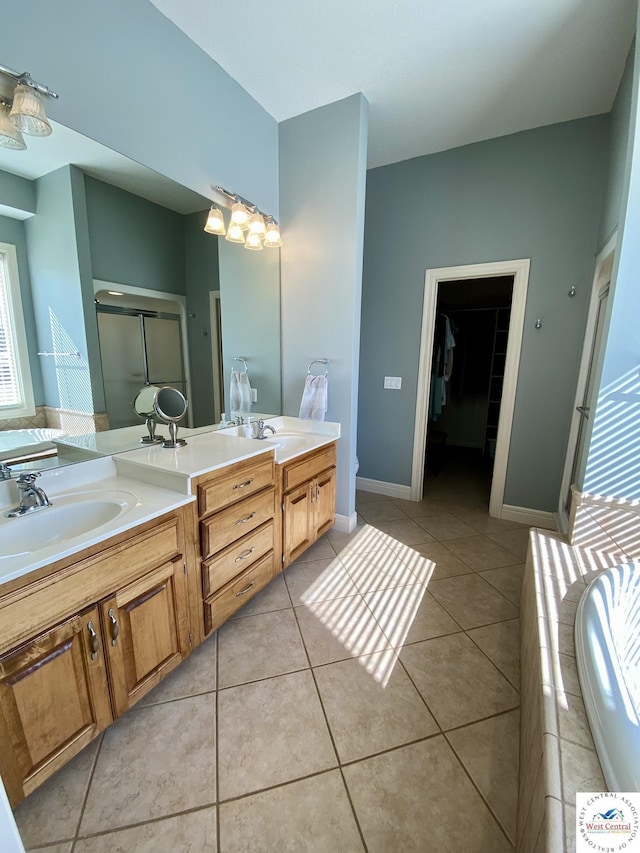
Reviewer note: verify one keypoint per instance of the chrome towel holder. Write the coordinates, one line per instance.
(317, 361)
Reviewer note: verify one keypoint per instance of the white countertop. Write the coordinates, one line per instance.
(157, 480)
(148, 502)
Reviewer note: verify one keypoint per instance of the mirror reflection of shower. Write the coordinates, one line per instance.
(138, 346)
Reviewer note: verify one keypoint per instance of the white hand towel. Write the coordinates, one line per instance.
(240, 397)
(314, 398)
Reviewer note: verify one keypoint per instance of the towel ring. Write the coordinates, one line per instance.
(317, 361)
(244, 361)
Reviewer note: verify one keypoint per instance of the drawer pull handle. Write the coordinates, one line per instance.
(245, 519)
(244, 555)
(245, 484)
(93, 639)
(245, 590)
(115, 629)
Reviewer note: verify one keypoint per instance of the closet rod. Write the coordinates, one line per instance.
(459, 310)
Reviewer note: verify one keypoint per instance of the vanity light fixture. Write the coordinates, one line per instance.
(245, 217)
(215, 222)
(25, 97)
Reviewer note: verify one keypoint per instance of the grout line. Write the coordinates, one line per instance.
(102, 832)
(85, 797)
(333, 743)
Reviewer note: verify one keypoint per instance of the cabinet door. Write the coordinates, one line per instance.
(297, 522)
(143, 633)
(325, 502)
(53, 701)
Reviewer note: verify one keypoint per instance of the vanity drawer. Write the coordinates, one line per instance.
(242, 479)
(219, 607)
(236, 558)
(309, 466)
(225, 527)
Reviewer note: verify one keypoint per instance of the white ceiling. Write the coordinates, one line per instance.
(437, 73)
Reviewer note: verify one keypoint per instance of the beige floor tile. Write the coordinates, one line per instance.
(441, 562)
(55, 848)
(409, 614)
(371, 706)
(457, 681)
(507, 580)
(406, 532)
(501, 644)
(274, 596)
(52, 812)
(320, 580)
(446, 526)
(195, 675)
(194, 832)
(481, 553)
(378, 511)
(490, 752)
(378, 570)
(472, 601)
(368, 497)
(310, 816)
(339, 629)
(418, 798)
(259, 647)
(363, 539)
(484, 523)
(320, 550)
(514, 541)
(154, 762)
(271, 732)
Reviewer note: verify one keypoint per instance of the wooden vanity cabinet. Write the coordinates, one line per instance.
(82, 641)
(238, 536)
(308, 500)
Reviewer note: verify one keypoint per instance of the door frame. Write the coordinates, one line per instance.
(602, 273)
(519, 269)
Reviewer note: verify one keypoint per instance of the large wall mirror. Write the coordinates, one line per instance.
(121, 287)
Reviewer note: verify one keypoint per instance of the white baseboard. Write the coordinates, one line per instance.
(378, 487)
(346, 523)
(531, 517)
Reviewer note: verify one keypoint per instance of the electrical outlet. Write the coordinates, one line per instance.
(254, 395)
(394, 383)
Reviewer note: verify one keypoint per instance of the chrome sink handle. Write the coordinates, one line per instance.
(32, 498)
(5, 471)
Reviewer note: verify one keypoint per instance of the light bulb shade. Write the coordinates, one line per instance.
(27, 113)
(235, 233)
(215, 221)
(256, 224)
(240, 215)
(254, 242)
(10, 136)
(272, 239)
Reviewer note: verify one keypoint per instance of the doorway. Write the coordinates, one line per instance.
(493, 421)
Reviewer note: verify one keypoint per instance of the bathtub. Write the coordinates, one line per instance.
(607, 635)
(22, 442)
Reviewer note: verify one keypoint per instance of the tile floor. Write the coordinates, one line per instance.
(367, 699)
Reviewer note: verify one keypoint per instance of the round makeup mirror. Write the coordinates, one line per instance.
(170, 406)
(144, 407)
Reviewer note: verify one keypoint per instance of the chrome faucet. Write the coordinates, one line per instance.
(260, 428)
(31, 497)
(5, 471)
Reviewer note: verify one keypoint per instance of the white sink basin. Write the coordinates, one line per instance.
(292, 442)
(69, 516)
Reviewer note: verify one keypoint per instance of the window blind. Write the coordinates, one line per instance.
(10, 385)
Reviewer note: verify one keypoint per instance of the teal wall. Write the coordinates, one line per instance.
(619, 137)
(134, 241)
(18, 194)
(536, 194)
(613, 463)
(201, 276)
(58, 284)
(323, 157)
(250, 305)
(13, 231)
(130, 79)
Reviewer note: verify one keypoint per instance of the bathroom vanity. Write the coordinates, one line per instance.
(91, 624)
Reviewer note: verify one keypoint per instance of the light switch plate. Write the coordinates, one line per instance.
(393, 382)
(254, 395)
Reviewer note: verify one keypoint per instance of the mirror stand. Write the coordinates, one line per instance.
(152, 438)
(173, 440)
